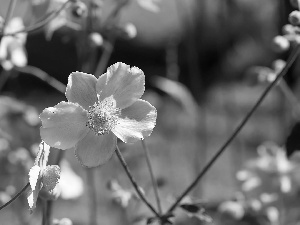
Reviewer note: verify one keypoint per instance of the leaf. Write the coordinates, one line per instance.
(33, 195)
(192, 208)
(34, 173)
(292, 143)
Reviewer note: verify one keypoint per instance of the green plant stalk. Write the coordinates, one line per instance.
(92, 194)
(39, 24)
(150, 168)
(134, 183)
(15, 197)
(290, 61)
(10, 11)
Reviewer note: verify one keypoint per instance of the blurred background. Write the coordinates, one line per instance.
(198, 57)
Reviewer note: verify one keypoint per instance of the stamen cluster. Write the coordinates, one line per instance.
(103, 117)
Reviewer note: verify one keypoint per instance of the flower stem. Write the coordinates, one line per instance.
(15, 197)
(10, 10)
(92, 192)
(134, 183)
(108, 49)
(39, 24)
(154, 184)
(290, 61)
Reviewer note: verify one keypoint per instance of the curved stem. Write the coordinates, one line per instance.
(10, 10)
(154, 184)
(135, 185)
(34, 71)
(39, 24)
(15, 197)
(92, 195)
(102, 64)
(290, 61)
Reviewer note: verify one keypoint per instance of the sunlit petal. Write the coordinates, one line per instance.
(94, 150)
(125, 84)
(136, 122)
(63, 125)
(81, 89)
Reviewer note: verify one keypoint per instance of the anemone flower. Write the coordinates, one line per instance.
(97, 112)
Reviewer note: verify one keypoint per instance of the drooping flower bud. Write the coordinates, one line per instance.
(79, 10)
(294, 18)
(280, 43)
(96, 39)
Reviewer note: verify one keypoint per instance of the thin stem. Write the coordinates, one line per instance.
(108, 49)
(150, 168)
(92, 192)
(15, 197)
(135, 185)
(39, 24)
(290, 61)
(59, 86)
(10, 10)
(44, 213)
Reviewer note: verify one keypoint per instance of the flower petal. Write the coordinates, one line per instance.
(94, 150)
(136, 122)
(63, 125)
(81, 89)
(124, 83)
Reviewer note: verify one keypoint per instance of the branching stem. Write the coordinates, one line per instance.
(134, 183)
(290, 61)
(150, 168)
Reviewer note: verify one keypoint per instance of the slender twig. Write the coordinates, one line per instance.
(39, 24)
(92, 192)
(135, 185)
(154, 183)
(59, 86)
(44, 213)
(15, 197)
(290, 61)
(10, 11)
(108, 49)
(110, 43)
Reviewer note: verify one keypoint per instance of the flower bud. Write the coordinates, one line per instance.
(278, 65)
(96, 39)
(234, 210)
(294, 18)
(63, 221)
(290, 29)
(280, 43)
(130, 30)
(79, 10)
(51, 177)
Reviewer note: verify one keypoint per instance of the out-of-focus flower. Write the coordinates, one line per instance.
(120, 195)
(12, 50)
(99, 111)
(232, 209)
(71, 185)
(294, 18)
(150, 5)
(42, 176)
(281, 43)
(96, 40)
(63, 221)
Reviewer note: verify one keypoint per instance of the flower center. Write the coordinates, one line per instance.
(103, 116)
